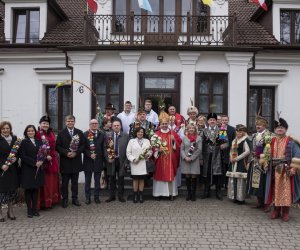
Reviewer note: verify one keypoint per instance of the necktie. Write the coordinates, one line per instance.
(71, 133)
(117, 145)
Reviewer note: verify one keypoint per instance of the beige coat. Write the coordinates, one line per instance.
(134, 150)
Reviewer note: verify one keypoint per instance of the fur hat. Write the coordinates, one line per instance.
(110, 106)
(45, 118)
(192, 109)
(281, 123)
(261, 120)
(212, 115)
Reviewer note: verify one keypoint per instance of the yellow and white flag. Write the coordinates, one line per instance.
(207, 2)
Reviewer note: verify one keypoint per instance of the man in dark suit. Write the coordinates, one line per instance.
(70, 158)
(115, 145)
(93, 160)
(226, 152)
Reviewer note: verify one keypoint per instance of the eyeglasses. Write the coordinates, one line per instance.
(94, 123)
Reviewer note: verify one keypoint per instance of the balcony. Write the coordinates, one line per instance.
(154, 30)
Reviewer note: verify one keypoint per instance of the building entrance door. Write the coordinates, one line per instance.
(155, 86)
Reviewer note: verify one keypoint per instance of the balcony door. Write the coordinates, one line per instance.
(155, 86)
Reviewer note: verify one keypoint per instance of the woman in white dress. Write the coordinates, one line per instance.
(138, 151)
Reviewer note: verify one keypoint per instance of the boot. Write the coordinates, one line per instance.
(259, 203)
(135, 197)
(189, 190)
(194, 187)
(141, 197)
(285, 213)
(219, 195)
(275, 213)
(206, 193)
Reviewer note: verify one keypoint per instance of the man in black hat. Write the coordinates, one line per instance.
(212, 161)
(110, 114)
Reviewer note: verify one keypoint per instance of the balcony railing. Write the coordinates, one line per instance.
(153, 30)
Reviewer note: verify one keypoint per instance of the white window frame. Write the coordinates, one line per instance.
(24, 4)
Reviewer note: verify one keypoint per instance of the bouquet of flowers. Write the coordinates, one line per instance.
(157, 142)
(74, 143)
(149, 132)
(192, 149)
(45, 142)
(267, 150)
(42, 155)
(90, 138)
(110, 147)
(13, 152)
(222, 136)
(145, 153)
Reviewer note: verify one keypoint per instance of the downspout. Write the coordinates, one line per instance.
(72, 78)
(248, 83)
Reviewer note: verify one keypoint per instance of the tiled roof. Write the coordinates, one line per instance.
(249, 32)
(71, 30)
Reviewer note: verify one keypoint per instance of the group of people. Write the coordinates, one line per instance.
(165, 147)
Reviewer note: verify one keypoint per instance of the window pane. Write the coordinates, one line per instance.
(102, 102)
(101, 87)
(297, 27)
(114, 86)
(21, 27)
(67, 104)
(120, 7)
(203, 105)
(169, 13)
(267, 102)
(34, 26)
(159, 83)
(52, 106)
(285, 27)
(203, 88)
(253, 99)
(217, 86)
(217, 105)
(137, 12)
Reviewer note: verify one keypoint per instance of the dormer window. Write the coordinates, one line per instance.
(290, 27)
(26, 25)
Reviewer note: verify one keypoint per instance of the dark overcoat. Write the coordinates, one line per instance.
(70, 165)
(89, 164)
(123, 141)
(9, 180)
(31, 178)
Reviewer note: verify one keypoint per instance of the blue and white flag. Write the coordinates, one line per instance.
(144, 4)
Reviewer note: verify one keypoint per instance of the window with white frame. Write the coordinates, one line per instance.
(290, 27)
(26, 26)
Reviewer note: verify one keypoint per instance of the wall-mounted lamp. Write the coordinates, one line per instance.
(160, 58)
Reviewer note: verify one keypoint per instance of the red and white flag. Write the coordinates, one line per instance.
(261, 3)
(93, 6)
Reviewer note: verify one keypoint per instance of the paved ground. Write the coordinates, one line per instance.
(204, 224)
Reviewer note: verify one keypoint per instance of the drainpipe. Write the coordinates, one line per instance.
(248, 84)
(72, 77)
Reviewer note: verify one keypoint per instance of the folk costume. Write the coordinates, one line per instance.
(166, 163)
(148, 126)
(49, 194)
(212, 159)
(256, 178)
(237, 171)
(284, 187)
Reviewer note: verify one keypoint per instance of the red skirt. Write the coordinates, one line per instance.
(50, 193)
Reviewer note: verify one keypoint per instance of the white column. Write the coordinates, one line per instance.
(187, 88)
(131, 83)
(81, 63)
(237, 86)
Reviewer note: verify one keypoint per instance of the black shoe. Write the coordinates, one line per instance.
(64, 203)
(121, 199)
(36, 213)
(157, 198)
(11, 217)
(110, 199)
(97, 200)
(171, 197)
(76, 203)
(135, 197)
(219, 196)
(29, 215)
(141, 198)
(88, 201)
(2, 220)
(205, 196)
